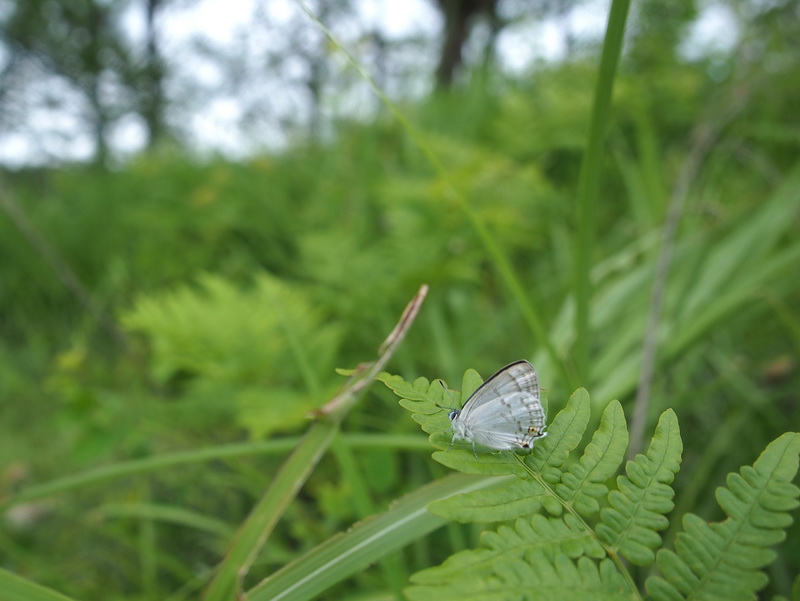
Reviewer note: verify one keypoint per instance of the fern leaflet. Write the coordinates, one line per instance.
(638, 507)
(723, 560)
(538, 577)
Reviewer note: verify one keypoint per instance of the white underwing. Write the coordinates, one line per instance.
(504, 413)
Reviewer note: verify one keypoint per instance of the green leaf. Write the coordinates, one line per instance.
(16, 588)
(209, 329)
(167, 460)
(489, 464)
(208, 332)
(724, 560)
(527, 538)
(509, 498)
(270, 507)
(563, 436)
(584, 482)
(349, 553)
(536, 577)
(638, 506)
(424, 399)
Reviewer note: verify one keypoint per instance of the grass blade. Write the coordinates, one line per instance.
(346, 554)
(259, 525)
(16, 588)
(590, 180)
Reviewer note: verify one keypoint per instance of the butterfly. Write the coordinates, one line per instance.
(504, 412)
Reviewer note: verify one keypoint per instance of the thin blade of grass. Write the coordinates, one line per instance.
(147, 465)
(254, 532)
(590, 180)
(16, 588)
(168, 514)
(265, 515)
(342, 556)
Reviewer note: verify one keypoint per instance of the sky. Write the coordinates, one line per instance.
(213, 128)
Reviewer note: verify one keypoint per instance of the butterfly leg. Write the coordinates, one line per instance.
(474, 451)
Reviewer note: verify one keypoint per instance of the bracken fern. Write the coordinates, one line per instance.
(572, 537)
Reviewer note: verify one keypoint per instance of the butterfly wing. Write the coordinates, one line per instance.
(509, 422)
(513, 378)
(505, 412)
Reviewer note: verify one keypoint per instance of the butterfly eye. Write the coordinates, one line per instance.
(454, 414)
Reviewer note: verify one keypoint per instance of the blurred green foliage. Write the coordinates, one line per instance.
(241, 286)
(242, 346)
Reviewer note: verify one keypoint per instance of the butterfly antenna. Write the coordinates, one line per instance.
(441, 382)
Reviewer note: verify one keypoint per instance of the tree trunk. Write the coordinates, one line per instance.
(458, 17)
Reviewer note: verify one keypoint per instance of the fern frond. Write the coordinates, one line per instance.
(723, 560)
(538, 577)
(637, 508)
(577, 489)
(577, 553)
(423, 399)
(526, 539)
(582, 483)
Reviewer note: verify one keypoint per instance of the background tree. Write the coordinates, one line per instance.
(96, 76)
(151, 98)
(459, 17)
